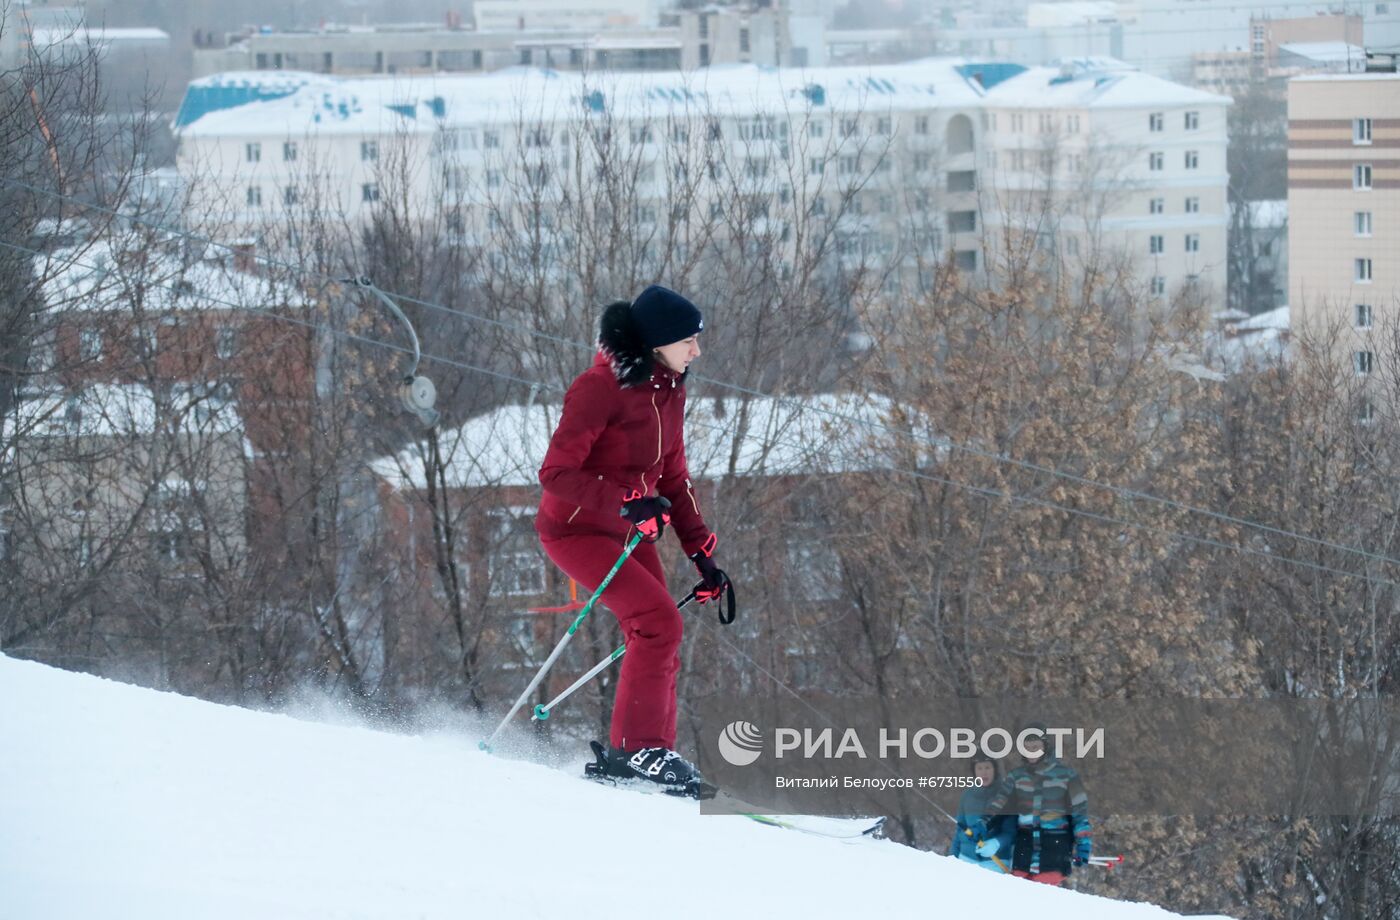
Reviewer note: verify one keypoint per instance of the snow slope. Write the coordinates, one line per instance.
(121, 802)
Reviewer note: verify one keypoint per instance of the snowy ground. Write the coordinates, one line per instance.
(120, 802)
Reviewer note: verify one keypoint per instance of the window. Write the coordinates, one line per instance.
(1363, 223)
(493, 178)
(1193, 121)
(1155, 244)
(1155, 161)
(1361, 130)
(756, 167)
(1046, 123)
(490, 139)
(369, 192)
(1193, 242)
(815, 166)
(884, 126)
(1365, 412)
(965, 260)
(641, 134)
(1159, 285)
(90, 344)
(744, 41)
(814, 570)
(255, 196)
(289, 195)
(252, 152)
(174, 525)
(1193, 204)
(1361, 176)
(369, 151)
(1363, 361)
(922, 162)
(289, 151)
(962, 221)
(1156, 205)
(1072, 124)
(921, 124)
(147, 340)
(1018, 122)
(850, 165)
(1193, 159)
(1364, 317)
(1155, 121)
(225, 342)
(1363, 271)
(849, 127)
(816, 128)
(515, 563)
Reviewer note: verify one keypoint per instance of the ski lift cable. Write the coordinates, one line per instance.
(790, 402)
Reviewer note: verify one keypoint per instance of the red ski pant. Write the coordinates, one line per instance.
(1045, 878)
(644, 713)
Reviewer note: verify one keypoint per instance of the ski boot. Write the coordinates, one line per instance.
(657, 767)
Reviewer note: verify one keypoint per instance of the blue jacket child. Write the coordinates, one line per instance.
(972, 811)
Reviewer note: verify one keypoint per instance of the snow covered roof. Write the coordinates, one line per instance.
(1334, 52)
(118, 410)
(259, 103)
(1095, 83)
(1320, 77)
(96, 35)
(1260, 338)
(830, 433)
(1274, 319)
(1069, 13)
(91, 277)
(247, 103)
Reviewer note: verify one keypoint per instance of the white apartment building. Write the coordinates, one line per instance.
(1129, 161)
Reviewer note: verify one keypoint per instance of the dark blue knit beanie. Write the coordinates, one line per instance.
(662, 316)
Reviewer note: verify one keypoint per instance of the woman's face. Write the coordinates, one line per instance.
(678, 355)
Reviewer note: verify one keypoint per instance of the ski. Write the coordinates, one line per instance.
(697, 791)
(831, 828)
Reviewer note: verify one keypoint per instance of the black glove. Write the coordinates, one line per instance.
(648, 515)
(713, 581)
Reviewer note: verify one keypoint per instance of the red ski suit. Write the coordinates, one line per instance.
(613, 440)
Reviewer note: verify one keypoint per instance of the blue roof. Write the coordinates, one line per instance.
(991, 73)
(200, 100)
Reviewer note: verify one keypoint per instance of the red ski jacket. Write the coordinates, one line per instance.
(614, 438)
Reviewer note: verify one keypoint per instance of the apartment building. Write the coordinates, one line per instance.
(1344, 209)
(1127, 160)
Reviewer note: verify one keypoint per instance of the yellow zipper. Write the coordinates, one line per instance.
(658, 426)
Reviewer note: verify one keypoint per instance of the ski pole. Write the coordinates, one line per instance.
(996, 859)
(559, 649)
(543, 710)
(1105, 862)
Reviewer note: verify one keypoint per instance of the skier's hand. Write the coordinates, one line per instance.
(648, 515)
(712, 578)
(978, 830)
(988, 848)
(1083, 849)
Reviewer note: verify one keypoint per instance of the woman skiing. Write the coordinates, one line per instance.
(617, 462)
